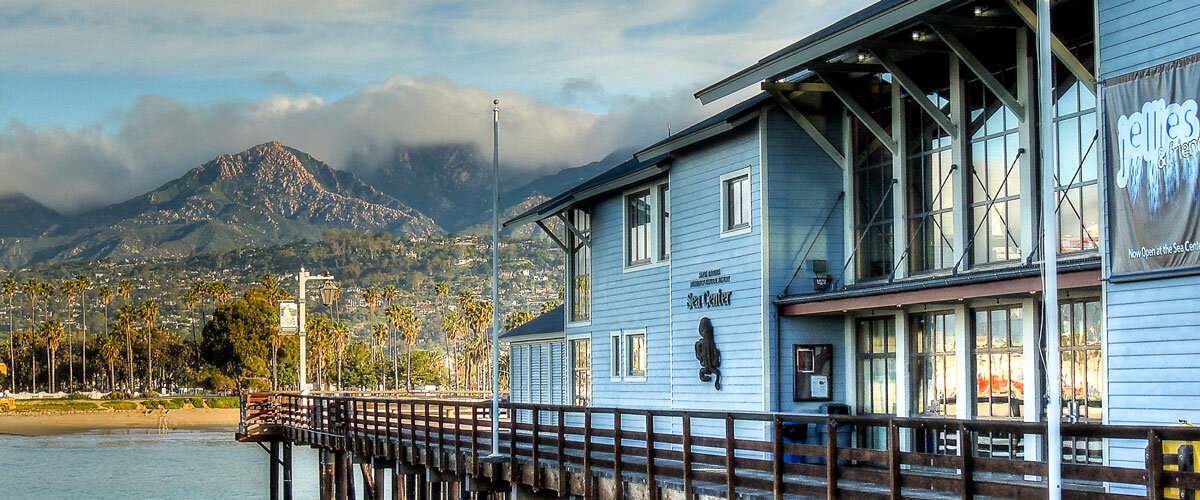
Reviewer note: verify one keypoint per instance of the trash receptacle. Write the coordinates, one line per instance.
(794, 433)
(818, 433)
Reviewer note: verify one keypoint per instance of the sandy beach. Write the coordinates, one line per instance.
(51, 423)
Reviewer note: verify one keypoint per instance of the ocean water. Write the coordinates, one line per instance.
(144, 464)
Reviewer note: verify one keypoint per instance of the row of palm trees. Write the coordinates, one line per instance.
(49, 330)
(463, 328)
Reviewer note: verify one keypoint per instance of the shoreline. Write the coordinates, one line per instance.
(70, 422)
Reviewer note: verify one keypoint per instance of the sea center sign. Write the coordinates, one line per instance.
(1153, 161)
(709, 298)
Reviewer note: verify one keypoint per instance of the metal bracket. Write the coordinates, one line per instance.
(551, 234)
(859, 111)
(574, 230)
(964, 54)
(916, 93)
(808, 127)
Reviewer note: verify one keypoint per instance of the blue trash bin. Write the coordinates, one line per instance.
(818, 433)
(794, 433)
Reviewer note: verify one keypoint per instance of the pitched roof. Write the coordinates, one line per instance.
(546, 325)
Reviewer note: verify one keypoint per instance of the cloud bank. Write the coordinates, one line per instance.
(158, 139)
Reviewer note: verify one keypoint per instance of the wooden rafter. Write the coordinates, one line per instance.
(1073, 64)
(808, 127)
(552, 236)
(574, 230)
(973, 21)
(840, 67)
(795, 87)
(972, 63)
(916, 93)
(859, 111)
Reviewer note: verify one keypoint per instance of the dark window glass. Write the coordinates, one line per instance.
(637, 228)
(1082, 377)
(1076, 179)
(876, 370)
(993, 175)
(873, 215)
(930, 189)
(580, 273)
(581, 370)
(999, 378)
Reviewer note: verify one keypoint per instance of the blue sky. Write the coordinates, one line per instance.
(143, 89)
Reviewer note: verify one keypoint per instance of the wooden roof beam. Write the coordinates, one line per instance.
(1073, 64)
(574, 230)
(552, 236)
(808, 126)
(795, 87)
(840, 67)
(973, 21)
(858, 111)
(917, 94)
(972, 63)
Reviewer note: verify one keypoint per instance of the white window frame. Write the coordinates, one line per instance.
(568, 299)
(626, 337)
(616, 368)
(620, 338)
(572, 394)
(656, 231)
(748, 194)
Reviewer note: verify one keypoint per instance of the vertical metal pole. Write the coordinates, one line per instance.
(300, 332)
(1049, 254)
(287, 470)
(274, 490)
(496, 279)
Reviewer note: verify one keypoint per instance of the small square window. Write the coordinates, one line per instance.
(637, 228)
(636, 351)
(735, 202)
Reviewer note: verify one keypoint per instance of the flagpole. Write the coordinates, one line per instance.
(496, 278)
(1049, 254)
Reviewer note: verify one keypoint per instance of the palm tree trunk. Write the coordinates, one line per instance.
(50, 364)
(12, 352)
(129, 354)
(149, 361)
(70, 348)
(83, 347)
(408, 361)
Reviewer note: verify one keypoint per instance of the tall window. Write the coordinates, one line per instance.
(580, 272)
(876, 360)
(647, 226)
(614, 355)
(635, 352)
(1082, 377)
(934, 379)
(930, 191)
(934, 365)
(664, 222)
(999, 377)
(637, 226)
(735, 202)
(1076, 184)
(994, 176)
(581, 372)
(873, 202)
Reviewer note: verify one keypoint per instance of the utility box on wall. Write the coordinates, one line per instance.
(812, 372)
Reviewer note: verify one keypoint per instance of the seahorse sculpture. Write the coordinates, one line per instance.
(707, 354)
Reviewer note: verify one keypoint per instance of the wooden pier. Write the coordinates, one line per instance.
(416, 448)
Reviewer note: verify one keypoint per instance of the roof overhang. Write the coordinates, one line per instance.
(557, 206)
(533, 337)
(874, 20)
(1016, 282)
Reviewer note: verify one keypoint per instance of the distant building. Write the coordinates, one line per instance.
(865, 230)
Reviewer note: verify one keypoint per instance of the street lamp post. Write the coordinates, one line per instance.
(303, 278)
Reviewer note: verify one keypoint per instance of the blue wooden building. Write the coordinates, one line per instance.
(865, 232)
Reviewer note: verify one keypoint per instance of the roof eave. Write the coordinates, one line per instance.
(835, 42)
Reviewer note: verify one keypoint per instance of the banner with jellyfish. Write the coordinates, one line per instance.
(1154, 178)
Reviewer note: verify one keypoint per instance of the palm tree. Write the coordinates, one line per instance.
(28, 340)
(9, 289)
(126, 318)
(52, 334)
(110, 350)
(222, 291)
(441, 290)
(393, 316)
(389, 294)
(340, 339)
(379, 333)
(148, 313)
(105, 294)
(68, 288)
(452, 327)
(84, 283)
(191, 299)
(410, 327)
(124, 288)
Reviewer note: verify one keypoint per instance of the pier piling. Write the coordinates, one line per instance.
(274, 470)
(287, 471)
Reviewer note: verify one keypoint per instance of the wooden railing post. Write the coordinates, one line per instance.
(618, 438)
(966, 455)
(563, 484)
(893, 460)
(475, 439)
(587, 454)
(441, 437)
(534, 451)
(730, 458)
(1154, 466)
(1186, 456)
(651, 483)
(776, 457)
(457, 438)
(831, 462)
(687, 457)
(428, 444)
(512, 444)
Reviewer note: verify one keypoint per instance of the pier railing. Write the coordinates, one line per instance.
(727, 453)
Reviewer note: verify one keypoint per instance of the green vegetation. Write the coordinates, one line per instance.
(196, 402)
(55, 405)
(120, 405)
(224, 402)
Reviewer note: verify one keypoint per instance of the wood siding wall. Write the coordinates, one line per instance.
(1138, 34)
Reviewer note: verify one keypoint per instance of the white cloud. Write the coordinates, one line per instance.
(158, 138)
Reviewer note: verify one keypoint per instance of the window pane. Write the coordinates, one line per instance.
(664, 222)
(580, 261)
(637, 355)
(615, 355)
(637, 224)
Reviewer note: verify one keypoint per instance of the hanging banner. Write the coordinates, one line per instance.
(289, 318)
(1154, 178)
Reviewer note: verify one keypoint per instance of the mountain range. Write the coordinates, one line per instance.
(272, 194)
